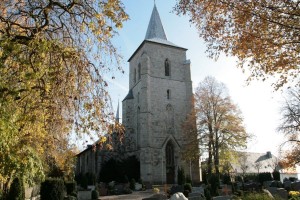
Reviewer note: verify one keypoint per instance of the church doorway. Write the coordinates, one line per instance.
(170, 163)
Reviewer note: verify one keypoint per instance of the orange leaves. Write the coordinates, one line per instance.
(259, 33)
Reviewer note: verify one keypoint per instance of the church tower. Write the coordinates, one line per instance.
(158, 102)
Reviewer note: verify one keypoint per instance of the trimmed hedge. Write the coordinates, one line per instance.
(52, 188)
(70, 187)
(95, 194)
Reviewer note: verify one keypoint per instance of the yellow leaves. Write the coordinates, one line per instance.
(102, 139)
(255, 32)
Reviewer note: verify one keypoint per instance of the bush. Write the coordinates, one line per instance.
(214, 181)
(266, 176)
(52, 188)
(187, 186)
(207, 192)
(276, 175)
(132, 184)
(16, 190)
(70, 187)
(260, 196)
(70, 198)
(95, 194)
(226, 179)
(180, 176)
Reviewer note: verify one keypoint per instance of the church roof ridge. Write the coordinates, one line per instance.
(155, 28)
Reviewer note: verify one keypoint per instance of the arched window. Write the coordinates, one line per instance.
(168, 94)
(134, 78)
(139, 71)
(167, 68)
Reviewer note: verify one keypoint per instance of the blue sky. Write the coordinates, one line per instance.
(259, 103)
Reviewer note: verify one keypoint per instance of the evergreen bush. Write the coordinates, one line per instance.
(95, 194)
(16, 190)
(132, 184)
(215, 183)
(180, 176)
(70, 187)
(187, 186)
(226, 179)
(266, 176)
(276, 175)
(52, 188)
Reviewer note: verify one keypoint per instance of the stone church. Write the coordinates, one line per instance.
(158, 102)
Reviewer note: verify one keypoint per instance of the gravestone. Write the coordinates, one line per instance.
(176, 188)
(282, 193)
(138, 186)
(296, 186)
(178, 196)
(198, 190)
(196, 196)
(156, 197)
(221, 198)
(287, 184)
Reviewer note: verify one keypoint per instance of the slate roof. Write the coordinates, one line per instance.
(155, 27)
(267, 161)
(129, 95)
(155, 33)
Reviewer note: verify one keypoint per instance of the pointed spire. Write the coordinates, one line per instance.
(155, 27)
(117, 115)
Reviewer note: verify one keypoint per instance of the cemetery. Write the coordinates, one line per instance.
(172, 140)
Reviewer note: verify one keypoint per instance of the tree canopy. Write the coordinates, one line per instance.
(263, 34)
(219, 122)
(53, 55)
(290, 127)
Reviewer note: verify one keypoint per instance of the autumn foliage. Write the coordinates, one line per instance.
(263, 34)
(53, 55)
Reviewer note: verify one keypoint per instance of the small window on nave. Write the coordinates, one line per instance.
(168, 94)
(167, 68)
(134, 77)
(139, 71)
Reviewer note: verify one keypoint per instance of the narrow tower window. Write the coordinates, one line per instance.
(168, 94)
(134, 78)
(139, 71)
(167, 68)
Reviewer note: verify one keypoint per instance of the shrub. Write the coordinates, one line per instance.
(260, 196)
(52, 188)
(276, 175)
(187, 186)
(73, 194)
(70, 187)
(207, 193)
(16, 190)
(70, 198)
(266, 176)
(180, 176)
(132, 184)
(156, 190)
(95, 194)
(226, 179)
(215, 183)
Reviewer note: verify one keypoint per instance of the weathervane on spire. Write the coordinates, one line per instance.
(154, 2)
